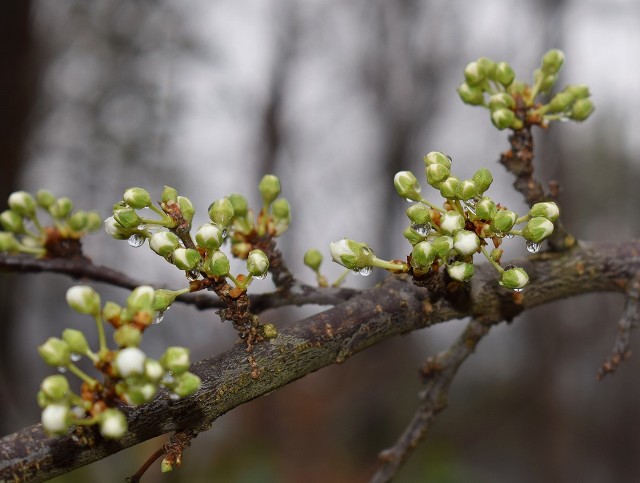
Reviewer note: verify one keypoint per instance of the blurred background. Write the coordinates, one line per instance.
(334, 97)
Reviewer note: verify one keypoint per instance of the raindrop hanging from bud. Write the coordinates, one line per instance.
(365, 271)
(533, 247)
(136, 240)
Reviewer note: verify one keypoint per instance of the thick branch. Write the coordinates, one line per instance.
(395, 307)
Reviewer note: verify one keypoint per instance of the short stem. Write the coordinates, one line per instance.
(36, 222)
(393, 266)
(164, 222)
(491, 260)
(431, 205)
(32, 250)
(522, 219)
(82, 375)
(101, 337)
(158, 211)
(515, 232)
(341, 278)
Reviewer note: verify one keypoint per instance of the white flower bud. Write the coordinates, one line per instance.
(186, 258)
(164, 243)
(113, 424)
(407, 185)
(460, 271)
(466, 242)
(351, 254)
(257, 263)
(176, 359)
(56, 418)
(209, 236)
(452, 221)
(83, 299)
(130, 362)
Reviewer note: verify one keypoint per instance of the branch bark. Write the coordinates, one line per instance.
(395, 307)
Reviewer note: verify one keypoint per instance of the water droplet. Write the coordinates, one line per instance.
(533, 247)
(168, 378)
(366, 271)
(518, 290)
(224, 233)
(421, 229)
(62, 369)
(193, 275)
(158, 318)
(136, 240)
(174, 397)
(409, 200)
(75, 357)
(509, 236)
(260, 277)
(142, 227)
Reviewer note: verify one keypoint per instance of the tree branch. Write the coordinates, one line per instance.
(395, 307)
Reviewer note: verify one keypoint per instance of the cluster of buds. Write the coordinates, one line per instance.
(512, 102)
(451, 234)
(130, 377)
(230, 218)
(23, 231)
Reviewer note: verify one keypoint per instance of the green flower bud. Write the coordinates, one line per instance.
(186, 208)
(175, 359)
(239, 203)
(140, 393)
(460, 271)
(474, 73)
(487, 65)
(166, 465)
(130, 362)
(164, 243)
(116, 230)
(442, 246)
(503, 221)
(579, 91)
(411, 235)
(407, 185)
(22, 203)
(153, 370)
(486, 209)
(466, 190)
(472, 95)
(466, 242)
(419, 214)
(561, 102)
(537, 229)
(423, 255)
(581, 110)
(351, 254)
(61, 208)
(514, 278)
(313, 259)
(547, 209)
(163, 299)
(504, 74)
(78, 221)
(281, 213)
(269, 188)
(127, 335)
(517, 88)
(436, 174)
(186, 384)
(141, 298)
(113, 424)
(496, 254)
(45, 198)
(449, 187)
(501, 100)
(76, 340)
(257, 263)
(436, 157)
(451, 222)
(221, 212)
(547, 83)
(11, 221)
(217, 264)
(128, 218)
(55, 352)
(209, 236)
(56, 418)
(111, 311)
(56, 388)
(137, 198)
(8, 242)
(502, 118)
(83, 299)
(185, 258)
(552, 61)
(169, 194)
(482, 179)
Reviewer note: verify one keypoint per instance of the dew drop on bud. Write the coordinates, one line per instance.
(365, 271)
(533, 247)
(136, 240)
(62, 369)
(518, 290)
(421, 229)
(509, 236)
(75, 357)
(260, 277)
(193, 275)
(224, 233)
(409, 200)
(142, 227)
(158, 318)
(168, 378)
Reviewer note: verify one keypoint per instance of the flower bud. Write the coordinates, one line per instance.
(83, 299)
(504, 74)
(186, 208)
(257, 263)
(451, 222)
(209, 236)
(411, 235)
(281, 213)
(487, 65)
(45, 198)
(561, 102)
(11, 221)
(579, 91)
(137, 198)
(486, 209)
(460, 271)
(55, 387)
(175, 359)
(127, 335)
(517, 88)
(442, 246)
(449, 187)
(141, 298)
(239, 203)
(419, 214)
(436, 157)
(78, 221)
(164, 243)
(113, 424)
(436, 174)
(169, 194)
(61, 208)
(547, 83)
(55, 352)
(153, 370)
(221, 212)
(407, 185)
(217, 264)
(351, 254)
(503, 221)
(8, 242)
(547, 209)
(139, 393)
(116, 230)
(537, 229)
(163, 299)
(581, 110)
(22, 203)
(241, 249)
(186, 384)
(76, 341)
(423, 255)
(502, 118)
(56, 418)
(474, 73)
(514, 278)
(130, 362)
(472, 95)
(128, 218)
(269, 188)
(466, 190)
(501, 100)
(185, 258)
(313, 259)
(111, 311)
(552, 61)
(482, 179)
(466, 242)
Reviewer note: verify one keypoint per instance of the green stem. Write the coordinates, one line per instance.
(86, 421)
(341, 278)
(101, 337)
(158, 211)
(393, 266)
(431, 205)
(491, 260)
(32, 250)
(522, 219)
(82, 375)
